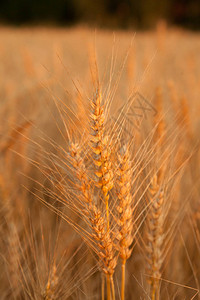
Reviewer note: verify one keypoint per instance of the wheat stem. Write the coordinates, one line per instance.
(112, 288)
(108, 287)
(123, 266)
(153, 293)
(102, 286)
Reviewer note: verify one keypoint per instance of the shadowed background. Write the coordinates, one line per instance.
(104, 13)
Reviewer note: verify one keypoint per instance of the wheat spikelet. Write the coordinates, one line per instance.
(80, 171)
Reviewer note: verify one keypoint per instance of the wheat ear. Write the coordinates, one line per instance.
(96, 218)
(101, 150)
(155, 218)
(49, 293)
(101, 157)
(155, 236)
(125, 212)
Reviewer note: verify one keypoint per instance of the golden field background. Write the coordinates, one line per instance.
(48, 77)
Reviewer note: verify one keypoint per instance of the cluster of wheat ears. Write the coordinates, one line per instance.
(117, 170)
(111, 184)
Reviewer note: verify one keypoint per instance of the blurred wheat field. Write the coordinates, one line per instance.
(99, 164)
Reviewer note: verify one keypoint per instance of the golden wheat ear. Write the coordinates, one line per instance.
(49, 292)
(101, 149)
(125, 211)
(156, 196)
(155, 236)
(95, 218)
